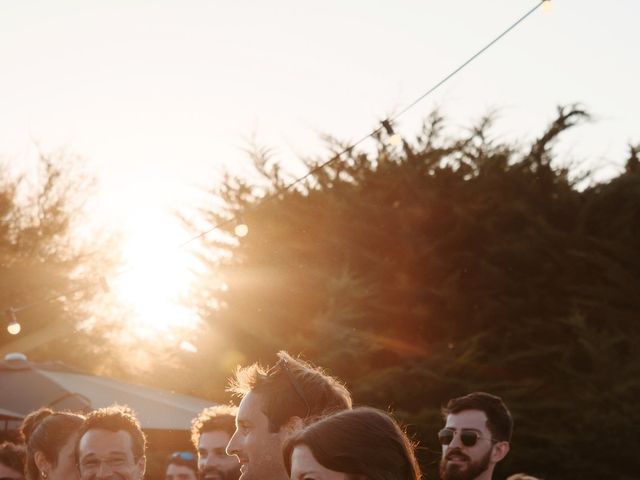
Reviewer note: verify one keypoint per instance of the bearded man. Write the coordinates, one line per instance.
(475, 437)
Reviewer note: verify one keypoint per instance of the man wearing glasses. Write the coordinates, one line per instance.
(111, 445)
(475, 438)
(274, 404)
(181, 466)
(210, 434)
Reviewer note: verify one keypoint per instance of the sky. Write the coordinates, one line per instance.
(161, 97)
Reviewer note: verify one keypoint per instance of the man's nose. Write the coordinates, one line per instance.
(233, 447)
(104, 471)
(455, 441)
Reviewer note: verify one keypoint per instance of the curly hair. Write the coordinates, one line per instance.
(117, 418)
(13, 456)
(219, 417)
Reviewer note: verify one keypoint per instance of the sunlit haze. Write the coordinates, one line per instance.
(161, 97)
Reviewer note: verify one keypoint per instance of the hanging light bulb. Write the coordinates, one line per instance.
(392, 137)
(395, 139)
(13, 327)
(241, 229)
(547, 6)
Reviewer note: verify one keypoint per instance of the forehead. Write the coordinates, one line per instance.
(104, 442)
(303, 461)
(250, 409)
(176, 470)
(214, 439)
(468, 419)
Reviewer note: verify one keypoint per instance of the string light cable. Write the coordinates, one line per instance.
(241, 229)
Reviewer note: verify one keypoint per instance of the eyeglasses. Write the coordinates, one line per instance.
(294, 384)
(186, 456)
(113, 463)
(468, 437)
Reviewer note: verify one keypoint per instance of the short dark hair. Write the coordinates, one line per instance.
(47, 431)
(291, 388)
(499, 420)
(219, 417)
(13, 456)
(363, 443)
(114, 419)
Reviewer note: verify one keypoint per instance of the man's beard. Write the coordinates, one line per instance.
(218, 474)
(472, 470)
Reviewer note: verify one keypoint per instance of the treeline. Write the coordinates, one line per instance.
(438, 267)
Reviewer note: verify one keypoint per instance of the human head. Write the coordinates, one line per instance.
(476, 436)
(364, 443)
(211, 431)
(12, 461)
(50, 438)
(111, 443)
(181, 466)
(274, 402)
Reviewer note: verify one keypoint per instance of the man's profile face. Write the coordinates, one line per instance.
(213, 461)
(461, 462)
(258, 450)
(179, 472)
(103, 454)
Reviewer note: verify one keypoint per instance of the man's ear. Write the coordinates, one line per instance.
(141, 465)
(41, 462)
(500, 451)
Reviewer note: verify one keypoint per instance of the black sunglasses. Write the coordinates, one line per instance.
(186, 456)
(468, 437)
(294, 384)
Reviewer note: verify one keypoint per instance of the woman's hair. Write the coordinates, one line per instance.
(47, 431)
(364, 442)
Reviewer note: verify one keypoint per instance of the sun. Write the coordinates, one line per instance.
(156, 275)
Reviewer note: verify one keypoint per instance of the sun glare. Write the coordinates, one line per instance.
(157, 274)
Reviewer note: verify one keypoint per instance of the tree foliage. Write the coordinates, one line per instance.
(439, 267)
(51, 261)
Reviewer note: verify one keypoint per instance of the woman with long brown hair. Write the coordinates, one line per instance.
(364, 443)
(51, 438)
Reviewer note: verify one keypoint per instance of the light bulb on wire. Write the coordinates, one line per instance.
(13, 327)
(241, 229)
(547, 6)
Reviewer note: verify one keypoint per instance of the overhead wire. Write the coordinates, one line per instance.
(385, 125)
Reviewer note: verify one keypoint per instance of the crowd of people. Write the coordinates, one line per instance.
(294, 421)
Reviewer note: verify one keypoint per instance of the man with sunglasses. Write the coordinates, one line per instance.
(274, 404)
(475, 438)
(181, 466)
(210, 434)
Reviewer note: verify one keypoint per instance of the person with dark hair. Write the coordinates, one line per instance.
(274, 403)
(181, 466)
(211, 431)
(50, 438)
(364, 443)
(475, 438)
(111, 445)
(12, 461)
